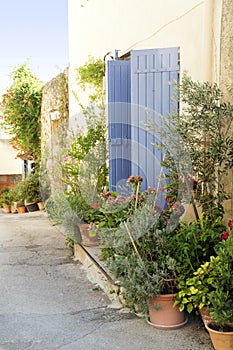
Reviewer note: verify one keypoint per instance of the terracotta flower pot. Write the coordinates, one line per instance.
(40, 205)
(6, 208)
(87, 239)
(21, 209)
(162, 313)
(220, 340)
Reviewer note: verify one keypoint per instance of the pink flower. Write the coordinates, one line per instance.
(66, 158)
(119, 199)
(106, 194)
(225, 235)
(110, 200)
(95, 206)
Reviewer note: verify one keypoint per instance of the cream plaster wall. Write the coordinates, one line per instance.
(99, 26)
(8, 164)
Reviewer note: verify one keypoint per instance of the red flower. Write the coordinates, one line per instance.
(230, 224)
(225, 235)
(167, 198)
(95, 206)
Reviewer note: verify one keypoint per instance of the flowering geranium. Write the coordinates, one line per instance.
(116, 208)
(226, 234)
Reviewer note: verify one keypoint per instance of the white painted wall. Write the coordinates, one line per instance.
(8, 164)
(100, 26)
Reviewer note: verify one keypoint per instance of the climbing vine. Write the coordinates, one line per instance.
(90, 77)
(89, 147)
(21, 113)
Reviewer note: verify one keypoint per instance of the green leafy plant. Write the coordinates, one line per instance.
(201, 130)
(31, 188)
(211, 285)
(90, 77)
(205, 129)
(84, 164)
(59, 210)
(6, 197)
(18, 194)
(21, 110)
(194, 243)
(139, 256)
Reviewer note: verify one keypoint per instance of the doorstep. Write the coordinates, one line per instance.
(96, 272)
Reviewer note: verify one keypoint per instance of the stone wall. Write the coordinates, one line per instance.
(226, 81)
(55, 107)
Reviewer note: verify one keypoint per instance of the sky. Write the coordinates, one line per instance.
(33, 32)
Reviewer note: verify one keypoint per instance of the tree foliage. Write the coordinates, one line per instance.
(21, 109)
(203, 130)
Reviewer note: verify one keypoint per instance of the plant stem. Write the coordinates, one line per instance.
(132, 241)
(137, 193)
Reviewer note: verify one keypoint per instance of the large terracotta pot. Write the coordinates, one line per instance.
(162, 313)
(87, 239)
(220, 340)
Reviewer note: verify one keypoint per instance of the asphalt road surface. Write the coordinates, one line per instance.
(47, 301)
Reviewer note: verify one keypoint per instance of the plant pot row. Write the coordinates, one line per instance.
(162, 312)
(21, 209)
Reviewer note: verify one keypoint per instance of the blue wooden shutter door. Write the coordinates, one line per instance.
(119, 124)
(151, 72)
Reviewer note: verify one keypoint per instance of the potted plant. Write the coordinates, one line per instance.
(220, 296)
(194, 243)
(18, 197)
(142, 265)
(87, 216)
(6, 200)
(211, 287)
(32, 191)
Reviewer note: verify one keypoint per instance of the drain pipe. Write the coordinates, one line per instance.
(207, 51)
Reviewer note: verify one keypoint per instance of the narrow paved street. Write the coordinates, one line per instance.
(48, 303)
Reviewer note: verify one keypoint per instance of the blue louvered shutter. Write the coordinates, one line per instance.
(119, 122)
(151, 72)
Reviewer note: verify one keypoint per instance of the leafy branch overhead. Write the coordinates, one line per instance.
(90, 76)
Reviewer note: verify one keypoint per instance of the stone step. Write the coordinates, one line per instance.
(96, 272)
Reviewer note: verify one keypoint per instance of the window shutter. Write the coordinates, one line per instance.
(119, 122)
(151, 72)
